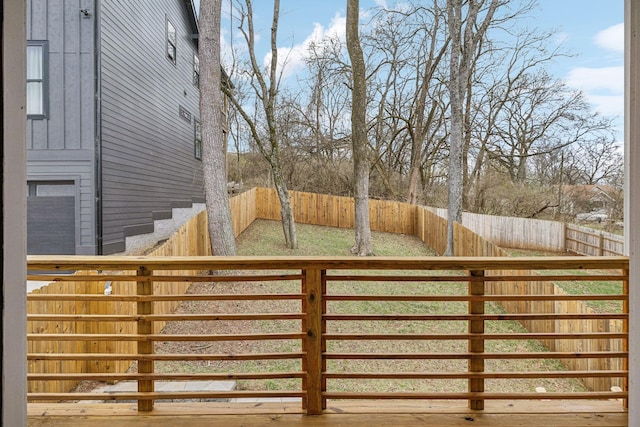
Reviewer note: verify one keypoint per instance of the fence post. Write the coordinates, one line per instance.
(145, 327)
(476, 345)
(601, 244)
(312, 344)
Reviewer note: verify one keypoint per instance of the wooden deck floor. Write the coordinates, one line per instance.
(338, 414)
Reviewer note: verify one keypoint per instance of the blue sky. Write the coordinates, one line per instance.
(591, 29)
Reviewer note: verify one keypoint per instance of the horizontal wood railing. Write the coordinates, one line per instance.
(322, 328)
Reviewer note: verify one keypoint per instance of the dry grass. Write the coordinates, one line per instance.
(581, 287)
(265, 238)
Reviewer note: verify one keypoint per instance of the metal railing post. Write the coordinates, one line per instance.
(476, 345)
(144, 287)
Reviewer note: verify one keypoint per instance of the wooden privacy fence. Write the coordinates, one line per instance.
(335, 211)
(192, 240)
(530, 284)
(316, 319)
(542, 235)
(512, 232)
(189, 240)
(590, 242)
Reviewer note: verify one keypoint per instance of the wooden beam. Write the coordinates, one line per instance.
(476, 345)
(313, 341)
(145, 327)
(345, 414)
(63, 262)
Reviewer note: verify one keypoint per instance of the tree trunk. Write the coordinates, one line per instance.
(265, 87)
(454, 213)
(417, 134)
(213, 153)
(361, 165)
(464, 42)
(288, 221)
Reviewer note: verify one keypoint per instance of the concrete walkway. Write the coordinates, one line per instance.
(186, 386)
(170, 387)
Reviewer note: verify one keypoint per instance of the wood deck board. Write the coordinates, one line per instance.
(337, 414)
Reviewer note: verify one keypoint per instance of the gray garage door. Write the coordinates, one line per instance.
(51, 219)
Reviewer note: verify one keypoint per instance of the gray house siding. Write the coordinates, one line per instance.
(60, 147)
(113, 130)
(148, 162)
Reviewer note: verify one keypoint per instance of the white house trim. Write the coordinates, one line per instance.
(14, 317)
(632, 198)
(14, 211)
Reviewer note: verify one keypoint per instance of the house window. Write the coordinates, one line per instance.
(171, 42)
(37, 88)
(197, 140)
(196, 70)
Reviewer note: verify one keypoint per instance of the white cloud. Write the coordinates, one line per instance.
(597, 79)
(291, 59)
(604, 86)
(608, 105)
(612, 38)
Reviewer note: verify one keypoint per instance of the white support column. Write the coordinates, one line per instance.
(632, 197)
(14, 318)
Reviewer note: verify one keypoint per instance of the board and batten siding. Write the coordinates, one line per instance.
(148, 162)
(61, 147)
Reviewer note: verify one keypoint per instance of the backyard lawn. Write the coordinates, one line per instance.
(265, 238)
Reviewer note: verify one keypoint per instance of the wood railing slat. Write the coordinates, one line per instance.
(498, 298)
(476, 396)
(151, 396)
(166, 376)
(166, 317)
(486, 356)
(164, 357)
(164, 338)
(467, 375)
(470, 336)
(177, 297)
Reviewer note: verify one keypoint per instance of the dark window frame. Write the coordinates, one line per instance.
(171, 48)
(197, 139)
(196, 70)
(43, 79)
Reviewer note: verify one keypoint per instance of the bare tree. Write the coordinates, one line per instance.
(315, 125)
(541, 115)
(518, 128)
(361, 164)
(211, 118)
(498, 71)
(466, 33)
(263, 124)
(599, 161)
(406, 47)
